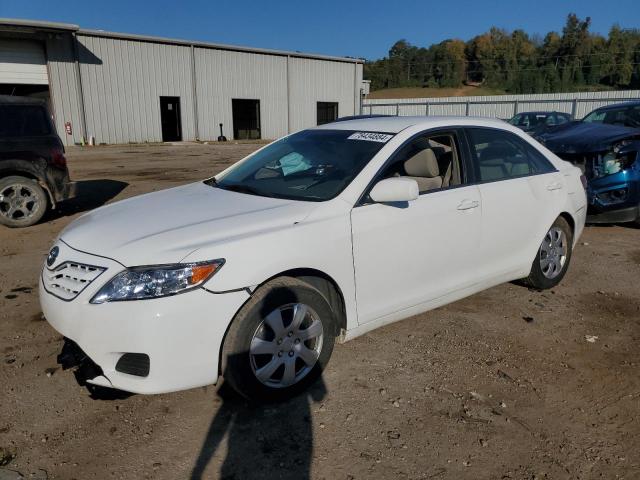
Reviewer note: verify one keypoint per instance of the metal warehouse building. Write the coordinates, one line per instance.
(121, 88)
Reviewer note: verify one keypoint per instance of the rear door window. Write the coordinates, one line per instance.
(23, 121)
(500, 155)
(615, 117)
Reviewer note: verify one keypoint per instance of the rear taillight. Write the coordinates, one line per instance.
(57, 158)
(583, 179)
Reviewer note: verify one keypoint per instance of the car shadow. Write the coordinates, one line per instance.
(90, 194)
(263, 441)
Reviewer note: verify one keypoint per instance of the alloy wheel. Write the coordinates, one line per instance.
(18, 202)
(286, 345)
(553, 252)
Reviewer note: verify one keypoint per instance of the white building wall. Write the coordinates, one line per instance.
(63, 87)
(224, 75)
(313, 81)
(123, 81)
(124, 78)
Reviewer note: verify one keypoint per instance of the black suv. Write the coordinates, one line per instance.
(33, 169)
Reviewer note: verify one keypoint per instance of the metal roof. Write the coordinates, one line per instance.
(37, 24)
(11, 24)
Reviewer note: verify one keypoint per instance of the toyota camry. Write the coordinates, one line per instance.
(321, 236)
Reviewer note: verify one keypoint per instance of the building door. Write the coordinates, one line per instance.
(327, 112)
(170, 119)
(246, 119)
(23, 63)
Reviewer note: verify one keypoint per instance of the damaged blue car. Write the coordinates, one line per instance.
(607, 152)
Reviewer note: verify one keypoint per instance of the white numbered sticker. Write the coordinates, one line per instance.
(370, 137)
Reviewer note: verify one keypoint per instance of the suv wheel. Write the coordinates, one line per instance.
(279, 342)
(22, 202)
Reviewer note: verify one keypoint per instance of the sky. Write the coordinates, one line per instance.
(364, 29)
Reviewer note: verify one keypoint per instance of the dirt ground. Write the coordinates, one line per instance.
(507, 384)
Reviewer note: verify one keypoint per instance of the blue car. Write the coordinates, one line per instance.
(606, 146)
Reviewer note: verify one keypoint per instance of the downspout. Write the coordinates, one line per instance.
(288, 96)
(357, 90)
(83, 114)
(194, 93)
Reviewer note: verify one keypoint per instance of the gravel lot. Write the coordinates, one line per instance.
(507, 384)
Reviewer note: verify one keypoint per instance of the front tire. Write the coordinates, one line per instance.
(553, 257)
(279, 342)
(22, 202)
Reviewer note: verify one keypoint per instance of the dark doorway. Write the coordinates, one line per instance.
(327, 112)
(246, 119)
(170, 119)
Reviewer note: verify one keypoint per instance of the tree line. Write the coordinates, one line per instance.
(516, 62)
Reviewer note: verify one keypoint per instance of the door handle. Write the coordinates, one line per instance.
(554, 186)
(468, 204)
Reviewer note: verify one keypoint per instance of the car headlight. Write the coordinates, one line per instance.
(156, 281)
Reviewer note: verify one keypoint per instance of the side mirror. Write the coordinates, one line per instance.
(395, 189)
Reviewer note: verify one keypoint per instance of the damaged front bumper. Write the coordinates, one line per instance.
(72, 356)
(613, 183)
(614, 198)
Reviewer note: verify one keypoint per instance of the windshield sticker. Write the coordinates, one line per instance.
(370, 137)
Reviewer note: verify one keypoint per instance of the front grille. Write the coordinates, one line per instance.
(68, 279)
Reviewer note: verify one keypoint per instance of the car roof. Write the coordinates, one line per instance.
(542, 112)
(13, 99)
(619, 105)
(397, 124)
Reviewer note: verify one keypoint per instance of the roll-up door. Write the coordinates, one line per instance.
(23, 62)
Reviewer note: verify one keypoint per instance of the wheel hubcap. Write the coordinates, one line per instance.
(286, 345)
(553, 252)
(18, 202)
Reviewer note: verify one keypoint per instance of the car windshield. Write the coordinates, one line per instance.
(312, 165)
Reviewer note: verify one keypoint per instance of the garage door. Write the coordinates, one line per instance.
(22, 61)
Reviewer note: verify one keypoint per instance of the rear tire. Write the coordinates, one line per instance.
(22, 202)
(279, 342)
(553, 257)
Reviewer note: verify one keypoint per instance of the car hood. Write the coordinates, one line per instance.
(166, 226)
(579, 137)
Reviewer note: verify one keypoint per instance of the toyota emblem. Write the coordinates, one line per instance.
(53, 254)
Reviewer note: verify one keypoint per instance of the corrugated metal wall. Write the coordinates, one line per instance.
(223, 75)
(63, 85)
(501, 106)
(313, 81)
(122, 80)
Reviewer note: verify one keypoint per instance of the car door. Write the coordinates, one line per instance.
(520, 191)
(405, 255)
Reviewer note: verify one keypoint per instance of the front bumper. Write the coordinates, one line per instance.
(622, 215)
(603, 208)
(181, 334)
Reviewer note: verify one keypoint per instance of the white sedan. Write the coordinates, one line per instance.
(325, 234)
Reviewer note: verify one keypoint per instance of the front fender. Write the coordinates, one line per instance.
(322, 244)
